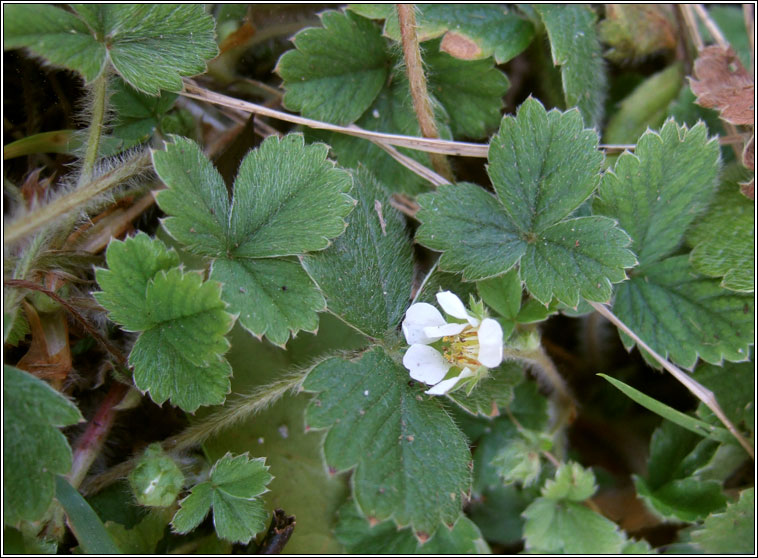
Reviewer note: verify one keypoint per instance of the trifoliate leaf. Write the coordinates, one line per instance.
(659, 190)
(723, 239)
(683, 316)
(366, 274)
(576, 49)
(137, 114)
(411, 460)
(543, 166)
(287, 199)
(132, 264)
(150, 46)
(566, 527)
(274, 297)
(34, 449)
(156, 478)
(669, 488)
(233, 492)
(732, 531)
(469, 31)
(471, 92)
(359, 536)
(337, 70)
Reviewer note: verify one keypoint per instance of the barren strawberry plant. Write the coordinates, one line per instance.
(378, 278)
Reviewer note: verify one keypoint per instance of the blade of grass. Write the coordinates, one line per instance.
(84, 522)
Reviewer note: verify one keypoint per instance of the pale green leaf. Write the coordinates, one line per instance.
(274, 297)
(366, 274)
(232, 492)
(34, 450)
(156, 478)
(152, 45)
(572, 482)
(132, 263)
(732, 531)
(179, 355)
(659, 190)
(469, 31)
(337, 70)
(394, 436)
(576, 49)
(683, 316)
(520, 460)
(566, 527)
(360, 537)
(55, 34)
(724, 239)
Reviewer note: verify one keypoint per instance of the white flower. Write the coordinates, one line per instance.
(468, 347)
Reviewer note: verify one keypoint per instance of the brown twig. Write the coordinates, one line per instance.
(279, 532)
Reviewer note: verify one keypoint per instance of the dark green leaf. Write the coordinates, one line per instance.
(734, 388)
(137, 114)
(493, 394)
(732, 531)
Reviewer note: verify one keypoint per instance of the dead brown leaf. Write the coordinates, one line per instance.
(723, 83)
(49, 355)
(748, 159)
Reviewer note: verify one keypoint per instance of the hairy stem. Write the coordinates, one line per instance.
(76, 199)
(419, 93)
(99, 92)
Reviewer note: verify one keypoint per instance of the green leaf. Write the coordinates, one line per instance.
(734, 388)
(576, 49)
(137, 114)
(410, 458)
(366, 274)
(492, 394)
(156, 479)
(732, 531)
(659, 190)
(86, 525)
(469, 31)
(566, 527)
(670, 489)
(132, 264)
(360, 537)
(520, 460)
(471, 92)
(233, 492)
(34, 449)
(723, 239)
(337, 70)
(144, 537)
(152, 45)
(543, 166)
(572, 482)
(683, 316)
(55, 34)
(502, 294)
(274, 297)
(677, 417)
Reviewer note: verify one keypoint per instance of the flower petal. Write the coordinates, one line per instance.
(438, 332)
(453, 306)
(419, 316)
(425, 364)
(446, 385)
(490, 338)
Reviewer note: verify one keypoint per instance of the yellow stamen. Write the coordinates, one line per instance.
(462, 349)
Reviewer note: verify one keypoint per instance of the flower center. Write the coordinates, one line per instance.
(462, 349)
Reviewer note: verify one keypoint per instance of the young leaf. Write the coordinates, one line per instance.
(658, 191)
(520, 461)
(128, 35)
(572, 482)
(410, 458)
(182, 322)
(723, 239)
(287, 199)
(543, 166)
(336, 71)
(683, 316)
(34, 449)
(156, 478)
(731, 531)
(576, 49)
(366, 274)
(233, 492)
(469, 31)
(359, 536)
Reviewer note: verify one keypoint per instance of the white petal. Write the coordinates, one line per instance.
(419, 316)
(438, 332)
(446, 385)
(425, 364)
(490, 338)
(453, 306)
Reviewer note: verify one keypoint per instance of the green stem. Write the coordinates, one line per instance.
(99, 92)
